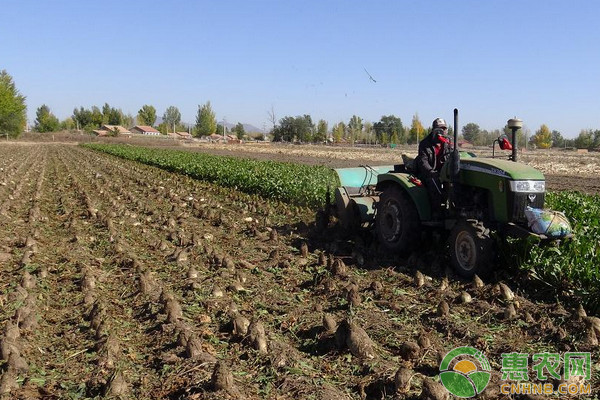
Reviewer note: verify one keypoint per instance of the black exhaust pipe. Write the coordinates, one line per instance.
(514, 124)
(455, 157)
(455, 127)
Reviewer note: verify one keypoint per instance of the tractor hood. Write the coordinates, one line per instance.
(503, 168)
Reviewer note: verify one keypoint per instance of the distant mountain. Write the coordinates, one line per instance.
(249, 128)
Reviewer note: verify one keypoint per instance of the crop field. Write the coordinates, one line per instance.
(125, 280)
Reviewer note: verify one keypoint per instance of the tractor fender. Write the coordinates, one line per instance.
(418, 194)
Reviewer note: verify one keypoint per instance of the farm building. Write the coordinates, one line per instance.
(216, 138)
(119, 128)
(180, 135)
(101, 132)
(233, 139)
(145, 130)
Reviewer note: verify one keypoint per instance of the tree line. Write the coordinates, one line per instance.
(388, 130)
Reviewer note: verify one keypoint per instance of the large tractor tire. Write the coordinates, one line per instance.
(397, 221)
(471, 248)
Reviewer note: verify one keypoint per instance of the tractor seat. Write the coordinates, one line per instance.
(409, 164)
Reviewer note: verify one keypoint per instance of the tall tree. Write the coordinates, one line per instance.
(115, 116)
(45, 121)
(543, 137)
(206, 123)
(368, 129)
(67, 124)
(355, 128)
(385, 128)
(147, 115)
(596, 139)
(172, 117)
(13, 111)
(294, 128)
(416, 132)
(105, 113)
(471, 133)
(321, 132)
(127, 120)
(111, 115)
(96, 117)
(83, 118)
(585, 139)
(557, 139)
(239, 130)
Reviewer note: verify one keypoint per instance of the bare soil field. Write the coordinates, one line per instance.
(119, 280)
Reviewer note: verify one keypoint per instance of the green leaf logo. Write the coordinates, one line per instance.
(469, 376)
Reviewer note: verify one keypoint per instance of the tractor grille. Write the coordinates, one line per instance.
(520, 201)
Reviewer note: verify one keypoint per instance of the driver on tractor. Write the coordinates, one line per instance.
(434, 151)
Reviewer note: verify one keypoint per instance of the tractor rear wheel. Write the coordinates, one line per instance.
(397, 221)
(471, 248)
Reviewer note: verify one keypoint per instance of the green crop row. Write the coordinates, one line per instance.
(292, 183)
(571, 267)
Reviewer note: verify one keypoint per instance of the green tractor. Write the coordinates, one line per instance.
(484, 195)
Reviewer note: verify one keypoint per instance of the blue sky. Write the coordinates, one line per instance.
(538, 60)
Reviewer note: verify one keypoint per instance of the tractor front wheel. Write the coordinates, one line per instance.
(397, 221)
(471, 248)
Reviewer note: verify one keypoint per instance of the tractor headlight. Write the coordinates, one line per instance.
(528, 186)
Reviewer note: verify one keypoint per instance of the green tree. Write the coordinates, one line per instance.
(45, 121)
(163, 128)
(206, 123)
(321, 132)
(220, 129)
(68, 124)
(543, 137)
(111, 115)
(83, 119)
(97, 117)
(585, 139)
(306, 128)
(115, 116)
(486, 138)
(394, 138)
(239, 130)
(417, 131)
(127, 120)
(557, 139)
(13, 111)
(368, 131)
(172, 117)
(472, 133)
(355, 128)
(596, 139)
(337, 132)
(386, 127)
(294, 128)
(146, 115)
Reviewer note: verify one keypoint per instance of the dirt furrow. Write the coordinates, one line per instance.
(159, 286)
